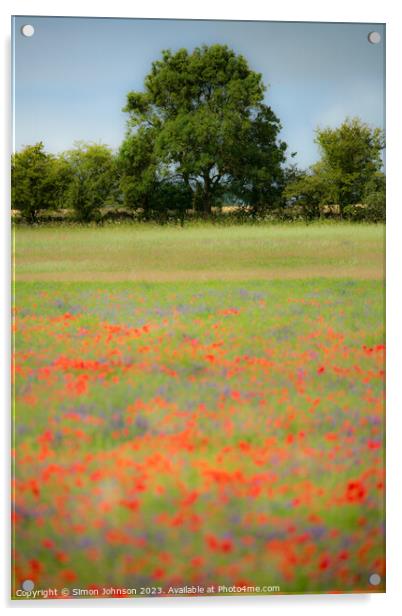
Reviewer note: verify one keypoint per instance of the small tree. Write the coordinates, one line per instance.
(350, 160)
(38, 181)
(93, 179)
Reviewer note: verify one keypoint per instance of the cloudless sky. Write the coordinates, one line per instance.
(72, 76)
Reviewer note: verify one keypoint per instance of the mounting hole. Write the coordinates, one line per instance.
(28, 585)
(374, 579)
(27, 30)
(374, 38)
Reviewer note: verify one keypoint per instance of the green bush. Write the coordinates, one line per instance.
(355, 212)
(371, 211)
(376, 210)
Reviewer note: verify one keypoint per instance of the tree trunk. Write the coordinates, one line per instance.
(32, 217)
(207, 196)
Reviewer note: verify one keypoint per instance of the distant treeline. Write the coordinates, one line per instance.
(201, 143)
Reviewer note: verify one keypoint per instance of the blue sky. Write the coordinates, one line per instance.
(72, 77)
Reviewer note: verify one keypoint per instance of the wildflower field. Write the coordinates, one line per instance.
(199, 407)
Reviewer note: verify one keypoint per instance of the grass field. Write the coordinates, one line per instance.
(199, 406)
(205, 252)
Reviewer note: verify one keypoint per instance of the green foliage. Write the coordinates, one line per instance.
(355, 213)
(93, 179)
(257, 174)
(203, 117)
(172, 199)
(350, 157)
(39, 181)
(307, 191)
(137, 168)
(376, 207)
(375, 198)
(346, 174)
(145, 184)
(291, 174)
(61, 175)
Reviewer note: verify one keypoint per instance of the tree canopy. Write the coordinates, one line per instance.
(201, 120)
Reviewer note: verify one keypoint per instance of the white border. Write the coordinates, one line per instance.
(382, 11)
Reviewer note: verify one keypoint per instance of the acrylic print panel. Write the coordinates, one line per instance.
(198, 212)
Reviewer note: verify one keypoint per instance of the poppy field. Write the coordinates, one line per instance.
(205, 432)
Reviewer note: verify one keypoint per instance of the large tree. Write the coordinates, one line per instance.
(203, 115)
